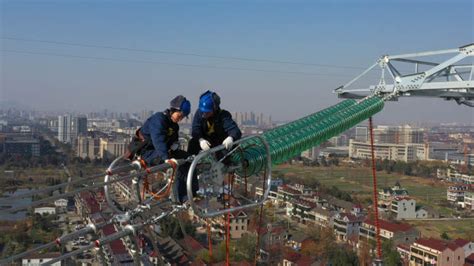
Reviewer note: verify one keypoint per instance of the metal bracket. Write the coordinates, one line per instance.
(217, 171)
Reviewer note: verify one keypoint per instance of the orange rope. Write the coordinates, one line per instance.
(165, 193)
(145, 186)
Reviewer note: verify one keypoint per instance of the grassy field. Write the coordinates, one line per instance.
(454, 228)
(358, 182)
(40, 177)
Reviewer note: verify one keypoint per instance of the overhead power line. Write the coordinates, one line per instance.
(171, 64)
(248, 59)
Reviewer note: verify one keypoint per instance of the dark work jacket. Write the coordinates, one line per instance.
(162, 132)
(215, 129)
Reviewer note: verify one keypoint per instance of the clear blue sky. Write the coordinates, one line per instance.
(338, 33)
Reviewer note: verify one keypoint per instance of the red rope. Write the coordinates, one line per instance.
(376, 202)
(257, 250)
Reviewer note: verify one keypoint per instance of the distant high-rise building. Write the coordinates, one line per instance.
(88, 146)
(387, 134)
(64, 128)
(338, 141)
(398, 135)
(361, 134)
(79, 126)
(411, 135)
(111, 148)
(69, 128)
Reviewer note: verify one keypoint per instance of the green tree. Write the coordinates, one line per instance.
(171, 226)
(445, 236)
(343, 257)
(390, 256)
(246, 247)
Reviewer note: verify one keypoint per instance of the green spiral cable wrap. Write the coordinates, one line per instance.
(303, 122)
(292, 139)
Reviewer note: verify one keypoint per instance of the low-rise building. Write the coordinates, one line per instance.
(238, 224)
(319, 216)
(399, 233)
(386, 195)
(469, 200)
(404, 251)
(288, 192)
(421, 213)
(403, 208)
(467, 245)
(333, 203)
(39, 259)
(45, 210)
(455, 176)
(86, 204)
(397, 152)
(60, 203)
(430, 251)
(346, 226)
(273, 235)
(298, 209)
(455, 194)
(116, 252)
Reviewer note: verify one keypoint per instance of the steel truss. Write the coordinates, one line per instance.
(450, 80)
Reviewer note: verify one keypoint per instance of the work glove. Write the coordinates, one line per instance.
(174, 146)
(205, 145)
(228, 142)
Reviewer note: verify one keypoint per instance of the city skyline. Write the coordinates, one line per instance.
(279, 58)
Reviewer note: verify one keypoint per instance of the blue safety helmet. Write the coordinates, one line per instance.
(186, 108)
(206, 102)
(182, 104)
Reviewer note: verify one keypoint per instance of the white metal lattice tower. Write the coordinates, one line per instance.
(451, 79)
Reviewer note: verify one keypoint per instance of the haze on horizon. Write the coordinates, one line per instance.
(128, 56)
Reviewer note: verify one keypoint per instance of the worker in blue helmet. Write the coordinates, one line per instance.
(157, 140)
(212, 126)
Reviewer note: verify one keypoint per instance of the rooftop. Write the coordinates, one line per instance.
(437, 244)
(49, 255)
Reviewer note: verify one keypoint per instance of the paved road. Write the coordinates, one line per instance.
(441, 219)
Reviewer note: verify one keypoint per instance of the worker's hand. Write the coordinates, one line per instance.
(174, 146)
(172, 162)
(205, 145)
(228, 142)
